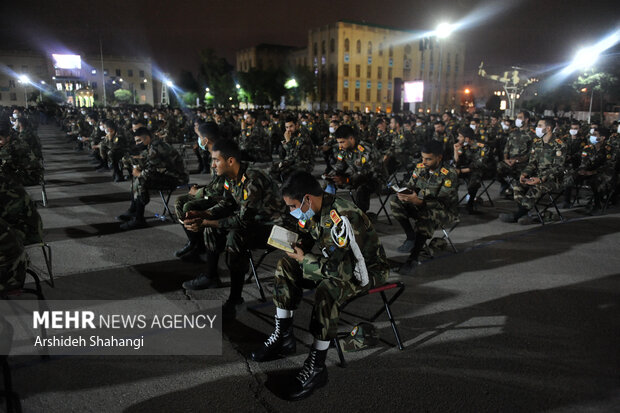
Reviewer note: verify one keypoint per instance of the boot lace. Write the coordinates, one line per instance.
(274, 336)
(306, 371)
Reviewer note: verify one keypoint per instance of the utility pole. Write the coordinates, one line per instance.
(105, 101)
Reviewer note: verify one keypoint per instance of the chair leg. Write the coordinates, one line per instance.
(12, 399)
(555, 205)
(392, 321)
(47, 255)
(383, 208)
(343, 362)
(485, 190)
(258, 283)
(43, 194)
(447, 238)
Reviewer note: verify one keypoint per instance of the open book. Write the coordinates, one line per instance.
(401, 190)
(282, 238)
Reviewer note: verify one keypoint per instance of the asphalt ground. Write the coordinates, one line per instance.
(521, 318)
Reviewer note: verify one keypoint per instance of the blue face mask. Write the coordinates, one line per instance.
(204, 148)
(593, 140)
(300, 215)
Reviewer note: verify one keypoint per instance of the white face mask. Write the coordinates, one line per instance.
(90, 123)
(245, 116)
(15, 127)
(539, 132)
(465, 143)
(593, 140)
(303, 122)
(332, 129)
(519, 123)
(83, 112)
(473, 127)
(418, 123)
(15, 115)
(504, 126)
(573, 132)
(146, 116)
(618, 129)
(102, 128)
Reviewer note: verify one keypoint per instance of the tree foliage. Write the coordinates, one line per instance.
(216, 74)
(122, 95)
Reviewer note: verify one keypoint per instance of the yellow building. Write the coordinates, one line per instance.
(362, 67)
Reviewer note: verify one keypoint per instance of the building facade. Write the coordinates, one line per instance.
(80, 81)
(363, 67)
(263, 57)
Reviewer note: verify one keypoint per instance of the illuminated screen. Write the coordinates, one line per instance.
(67, 61)
(414, 91)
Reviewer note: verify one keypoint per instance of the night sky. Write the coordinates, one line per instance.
(172, 32)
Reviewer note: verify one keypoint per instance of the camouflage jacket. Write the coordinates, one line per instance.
(33, 141)
(604, 158)
(299, 151)
(547, 159)
(403, 146)
(19, 162)
(162, 158)
(447, 141)
(519, 144)
(336, 259)
(383, 141)
(477, 157)
(360, 164)
(18, 209)
(574, 147)
(438, 188)
(256, 143)
(251, 197)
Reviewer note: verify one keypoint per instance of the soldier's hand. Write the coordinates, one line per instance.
(298, 255)
(193, 225)
(339, 179)
(193, 190)
(409, 198)
(533, 181)
(287, 136)
(197, 214)
(523, 179)
(136, 172)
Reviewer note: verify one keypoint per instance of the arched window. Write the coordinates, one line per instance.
(380, 49)
(323, 47)
(369, 47)
(315, 49)
(332, 45)
(391, 51)
(358, 46)
(346, 45)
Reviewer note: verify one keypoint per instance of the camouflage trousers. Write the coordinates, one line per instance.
(13, 259)
(331, 291)
(474, 179)
(426, 220)
(19, 211)
(504, 171)
(198, 202)
(528, 195)
(140, 186)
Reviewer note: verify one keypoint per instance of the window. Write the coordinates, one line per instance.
(94, 85)
(358, 46)
(389, 73)
(389, 95)
(379, 72)
(369, 47)
(368, 71)
(315, 49)
(141, 73)
(358, 70)
(12, 83)
(391, 51)
(367, 95)
(129, 73)
(142, 86)
(346, 45)
(378, 96)
(118, 72)
(357, 95)
(323, 47)
(380, 49)
(332, 45)
(95, 96)
(13, 96)
(345, 94)
(345, 69)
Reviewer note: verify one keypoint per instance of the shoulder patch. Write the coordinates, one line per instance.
(335, 217)
(243, 178)
(360, 148)
(447, 183)
(340, 157)
(245, 194)
(560, 141)
(420, 165)
(301, 223)
(480, 145)
(226, 185)
(444, 171)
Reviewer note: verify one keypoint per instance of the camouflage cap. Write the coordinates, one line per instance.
(363, 335)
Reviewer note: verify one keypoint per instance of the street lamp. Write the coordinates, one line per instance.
(238, 86)
(443, 31)
(169, 83)
(24, 80)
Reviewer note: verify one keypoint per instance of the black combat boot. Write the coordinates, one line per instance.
(208, 279)
(279, 344)
(409, 266)
(138, 220)
(195, 239)
(129, 214)
(312, 376)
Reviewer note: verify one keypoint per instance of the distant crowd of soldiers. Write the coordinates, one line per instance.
(263, 167)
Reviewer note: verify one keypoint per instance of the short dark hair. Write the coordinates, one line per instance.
(526, 114)
(143, 132)
(344, 131)
(137, 122)
(227, 148)
(549, 122)
(603, 131)
(290, 118)
(110, 125)
(398, 120)
(300, 183)
(434, 147)
(467, 133)
(439, 122)
(210, 130)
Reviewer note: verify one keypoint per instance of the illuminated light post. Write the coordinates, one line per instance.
(585, 59)
(443, 31)
(24, 80)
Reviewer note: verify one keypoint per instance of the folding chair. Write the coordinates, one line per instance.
(43, 192)
(541, 207)
(400, 288)
(447, 232)
(165, 195)
(13, 403)
(484, 189)
(47, 256)
(254, 268)
(382, 201)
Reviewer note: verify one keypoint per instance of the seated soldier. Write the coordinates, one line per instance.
(597, 169)
(241, 221)
(358, 167)
(431, 200)
(19, 211)
(199, 198)
(296, 151)
(473, 162)
(13, 258)
(516, 152)
(402, 150)
(351, 261)
(253, 141)
(18, 160)
(575, 142)
(161, 168)
(29, 136)
(116, 147)
(544, 172)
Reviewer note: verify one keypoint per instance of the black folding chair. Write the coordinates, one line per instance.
(254, 270)
(47, 256)
(13, 404)
(547, 201)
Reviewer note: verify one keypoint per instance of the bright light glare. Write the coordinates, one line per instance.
(43, 82)
(444, 30)
(169, 83)
(24, 79)
(238, 86)
(587, 56)
(291, 83)
(67, 61)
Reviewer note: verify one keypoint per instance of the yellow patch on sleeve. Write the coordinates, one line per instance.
(243, 178)
(559, 141)
(447, 183)
(481, 145)
(245, 194)
(360, 148)
(115, 140)
(420, 165)
(444, 171)
(363, 160)
(335, 217)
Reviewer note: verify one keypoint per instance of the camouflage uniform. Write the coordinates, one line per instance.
(19, 211)
(13, 258)
(439, 190)
(205, 198)
(163, 168)
(547, 163)
(383, 141)
(518, 146)
(602, 160)
(332, 272)
(19, 162)
(403, 150)
(296, 154)
(33, 141)
(478, 158)
(254, 142)
(364, 170)
(447, 141)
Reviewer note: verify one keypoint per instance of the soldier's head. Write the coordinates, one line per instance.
(446, 117)
(302, 192)
(574, 128)
(333, 125)
(250, 119)
(290, 125)
(523, 119)
(396, 123)
(432, 154)
(545, 126)
(225, 157)
(494, 119)
(142, 136)
(474, 123)
(466, 136)
(110, 127)
(380, 124)
(208, 133)
(599, 135)
(345, 135)
(439, 126)
(137, 124)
